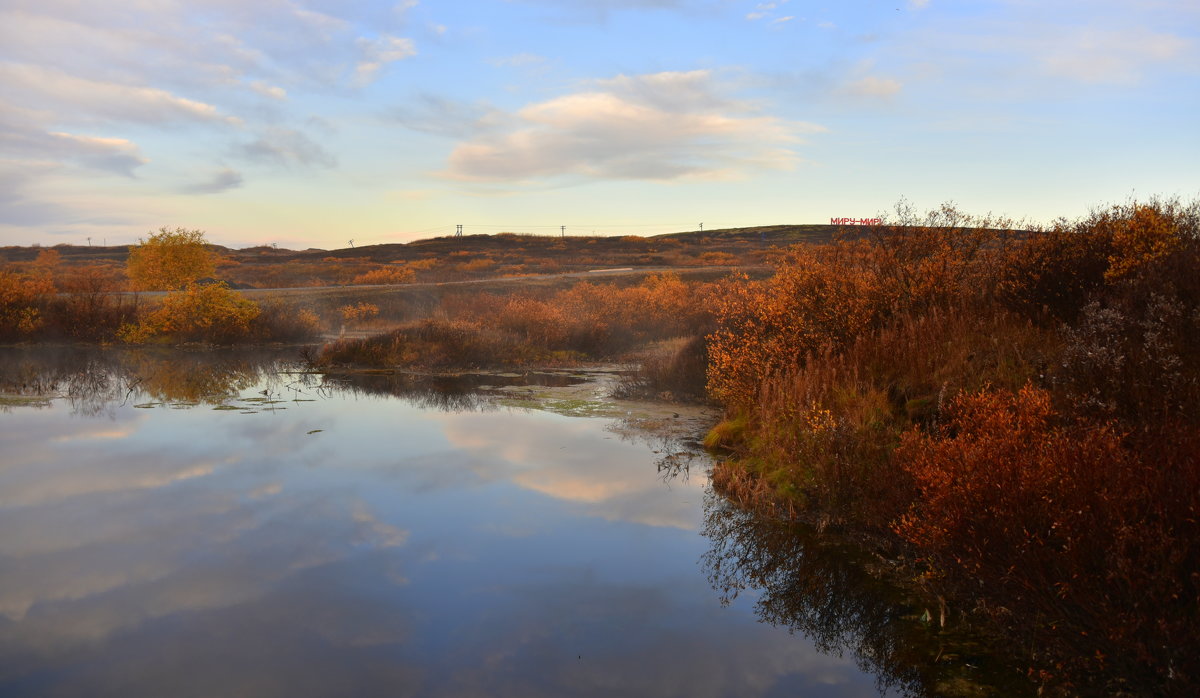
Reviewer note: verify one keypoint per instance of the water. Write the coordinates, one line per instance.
(203, 524)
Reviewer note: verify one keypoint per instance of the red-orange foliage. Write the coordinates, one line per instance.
(817, 298)
(1064, 531)
(22, 302)
(1068, 512)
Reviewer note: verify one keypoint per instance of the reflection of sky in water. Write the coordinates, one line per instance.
(396, 551)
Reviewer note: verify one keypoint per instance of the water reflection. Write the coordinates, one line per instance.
(826, 591)
(93, 382)
(386, 535)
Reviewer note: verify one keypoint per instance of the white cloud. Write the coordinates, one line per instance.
(22, 135)
(872, 86)
(79, 99)
(662, 126)
(766, 10)
(918, 4)
(1109, 56)
(113, 154)
(376, 53)
(272, 91)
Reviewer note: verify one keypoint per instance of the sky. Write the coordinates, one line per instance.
(311, 123)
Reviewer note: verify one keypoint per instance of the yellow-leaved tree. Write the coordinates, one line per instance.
(169, 260)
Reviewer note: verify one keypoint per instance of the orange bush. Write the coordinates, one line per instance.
(1069, 538)
(481, 264)
(169, 259)
(211, 313)
(22, 302)
(359, 313)
(817, 298)
(385, 275)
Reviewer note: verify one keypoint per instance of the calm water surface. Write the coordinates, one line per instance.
(193, 524)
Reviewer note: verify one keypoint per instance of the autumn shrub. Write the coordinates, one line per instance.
(1137, 364)
(1020, 408)
(359, 312)
(598, 320)
(537, 322)
(281, 321)
(1071, 541)
(821, 434)
(22, 304)
(816, 298)
(717, 258)
(1054, 273)
(385, 275)
(207, 313)
(433, 344)
(89, 307)
(475, 265)
(1132, 346)
(169, 259)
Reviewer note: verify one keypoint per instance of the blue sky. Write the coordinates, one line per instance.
(307, 123)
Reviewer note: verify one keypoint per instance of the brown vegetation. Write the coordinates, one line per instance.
(584, 321)
(45, 299)
(1018, 414)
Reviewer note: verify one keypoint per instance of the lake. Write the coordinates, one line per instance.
(221, 523)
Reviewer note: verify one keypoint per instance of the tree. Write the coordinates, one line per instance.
(169, 260)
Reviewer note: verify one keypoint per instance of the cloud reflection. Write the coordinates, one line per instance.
(575, 461)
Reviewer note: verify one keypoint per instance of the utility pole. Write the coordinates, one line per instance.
(563, 230)
(702, 227)
(351, 244)
(458, 233)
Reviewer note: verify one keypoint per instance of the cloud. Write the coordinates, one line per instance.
(446, 117)
(76, 99)
(21, 135)
(220, 181)
(376, 53)
(1110, 56)
(287, 147)
(662, 126)
(272, 91)
(601, 10)
(19, 206)
(918, 4)
(1032, 52)
(872, 86)
(111, 154)
(115, 155)
(765, 10)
